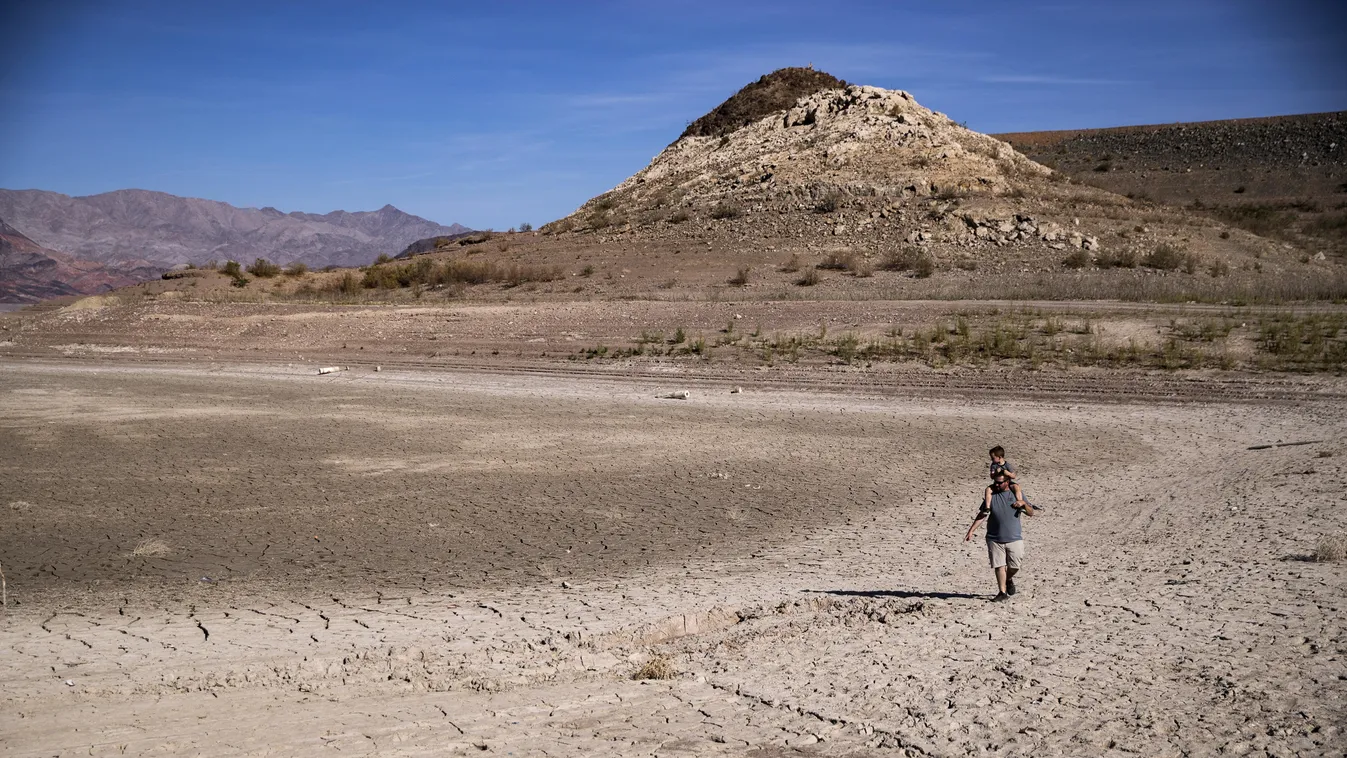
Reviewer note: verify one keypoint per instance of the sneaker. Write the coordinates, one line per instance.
(1000, 597)
(1010, 586)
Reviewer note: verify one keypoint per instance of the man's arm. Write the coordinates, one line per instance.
(978, 519)
(1026, 509)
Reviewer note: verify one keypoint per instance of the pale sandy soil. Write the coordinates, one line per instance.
(235, 559)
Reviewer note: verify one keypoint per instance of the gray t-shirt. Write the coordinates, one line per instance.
(994, 468)
(1003, 525)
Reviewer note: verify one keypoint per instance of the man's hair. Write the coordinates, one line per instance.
(998, 451)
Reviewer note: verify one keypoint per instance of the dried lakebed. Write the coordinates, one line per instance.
(257, 560)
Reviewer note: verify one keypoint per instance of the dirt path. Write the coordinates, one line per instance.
(495, 554)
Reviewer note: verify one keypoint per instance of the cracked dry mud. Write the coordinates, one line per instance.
(251, 560)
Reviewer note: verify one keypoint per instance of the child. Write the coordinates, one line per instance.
(1003, 475)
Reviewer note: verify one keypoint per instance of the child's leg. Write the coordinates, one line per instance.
(1019, 496)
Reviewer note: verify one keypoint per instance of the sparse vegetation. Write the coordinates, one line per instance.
(1034, 340)
(296, 268)
(150, 549)
(741, 276)
(792, 264)
(829, 202)
(809, 278)
(1163, 257)
(658, 667)
(1331, 549)
(836, 262)
(264, 269)
(1078, 259)
(426, 272)
(726, 209)
(910, 258)
(1118, 259)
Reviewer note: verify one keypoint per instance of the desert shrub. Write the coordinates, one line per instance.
(526, 227)
(925, 265)
(587, 271)
(1164, 257)
(599, 219)
(836, 262)
(726, 209)
(232, 268)
(910, 258)
(150, 548)
(1077, 259)
(828, 203)
(1218, 268)
(809, 278)
(429, 273)
(347, 284)
(740, 277)
(382, 259)
(297, 268)
(861, 268)
(1328, 226)
(264, 269)
(1331, 549)
(380, 277)
(1118, 259)
(792, 265)
(1263, 220)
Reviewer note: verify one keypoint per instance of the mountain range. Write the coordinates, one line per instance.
(140, 231)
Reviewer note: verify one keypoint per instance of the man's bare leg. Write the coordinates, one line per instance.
(1010, 580)
(1001, 578)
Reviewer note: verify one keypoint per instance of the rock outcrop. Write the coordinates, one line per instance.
(30, 273)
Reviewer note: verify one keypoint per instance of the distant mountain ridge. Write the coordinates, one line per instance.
(138, 228)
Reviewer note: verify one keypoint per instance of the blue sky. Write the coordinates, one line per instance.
(491, 114)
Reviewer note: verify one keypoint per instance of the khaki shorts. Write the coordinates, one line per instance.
(1005, 553)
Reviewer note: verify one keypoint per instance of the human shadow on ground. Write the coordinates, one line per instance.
(901, 593)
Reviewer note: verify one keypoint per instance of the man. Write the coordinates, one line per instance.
(1005, 542)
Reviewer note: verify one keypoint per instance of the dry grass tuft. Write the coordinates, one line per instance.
(658, 667)
(151, 549)
(1331, 549)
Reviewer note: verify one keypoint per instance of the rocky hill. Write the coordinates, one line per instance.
(1283, 177)
(30, 273)
(860, 192)
(1213, 162)
(859, 164)
(138, 228)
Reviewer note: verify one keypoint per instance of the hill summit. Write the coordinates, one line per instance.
(773, 92)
